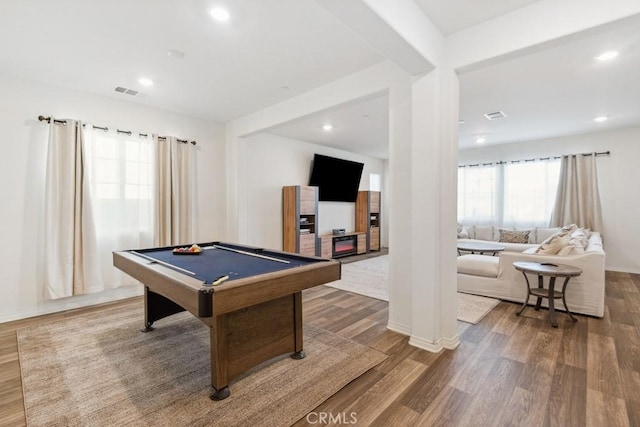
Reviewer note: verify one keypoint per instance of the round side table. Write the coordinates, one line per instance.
(552, 271)
(479, 247)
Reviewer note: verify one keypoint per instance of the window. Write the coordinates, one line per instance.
(374, 182)
(477, 196)
(120, 178)
(520, 194)
(530, 192)
(120, 167)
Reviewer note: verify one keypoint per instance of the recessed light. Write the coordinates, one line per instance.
(481, 140)
(285, 88)
(461, 122)
(601, 119)
(219, 14)
(606, 56)
(327, 127)
(145, 81)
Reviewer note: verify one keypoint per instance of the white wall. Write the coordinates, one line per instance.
(22, 171)
(618, 178)
(272, 162)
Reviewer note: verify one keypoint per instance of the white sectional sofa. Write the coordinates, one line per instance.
(496, 277)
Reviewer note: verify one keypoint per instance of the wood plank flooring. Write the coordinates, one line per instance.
(507, 371)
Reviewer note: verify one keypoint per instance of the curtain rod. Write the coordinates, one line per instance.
(125, 132)
(502, 162)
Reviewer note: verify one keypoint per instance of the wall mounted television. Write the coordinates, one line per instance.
(338, 180)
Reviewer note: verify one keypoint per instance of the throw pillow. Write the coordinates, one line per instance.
(508, 236)
(570, 250)
(462, 232)
(579, 238)
(532, 233)
(553, 245)
(568, 229)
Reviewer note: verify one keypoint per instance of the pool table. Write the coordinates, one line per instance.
(254, 315)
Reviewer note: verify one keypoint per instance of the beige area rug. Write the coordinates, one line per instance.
(370, 277)
(100, 370)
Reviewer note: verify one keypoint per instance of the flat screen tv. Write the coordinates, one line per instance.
(338, 180)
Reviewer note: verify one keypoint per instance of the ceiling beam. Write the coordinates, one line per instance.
(536, 26)
(398, 30)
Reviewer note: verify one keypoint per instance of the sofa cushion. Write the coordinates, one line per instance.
(471, 229)
(478, 265)
(509, 236)
(485, 232)
(543, 234)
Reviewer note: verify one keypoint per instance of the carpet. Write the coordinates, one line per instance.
(100, 370)
(370, 277)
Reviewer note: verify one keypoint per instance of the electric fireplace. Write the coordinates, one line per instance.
(344, 245)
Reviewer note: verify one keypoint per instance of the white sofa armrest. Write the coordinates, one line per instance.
(585, 293)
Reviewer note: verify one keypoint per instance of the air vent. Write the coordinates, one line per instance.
(495, 115)
(126, 91)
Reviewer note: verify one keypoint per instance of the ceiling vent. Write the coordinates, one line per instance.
(126, 91)
(495, 115)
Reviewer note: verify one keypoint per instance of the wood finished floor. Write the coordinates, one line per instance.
(507, 371)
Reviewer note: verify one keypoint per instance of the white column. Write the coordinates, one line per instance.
(429, 239)
(399, 212)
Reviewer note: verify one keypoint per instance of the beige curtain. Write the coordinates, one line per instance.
(578, 199)
(174, 189)
(69, 229)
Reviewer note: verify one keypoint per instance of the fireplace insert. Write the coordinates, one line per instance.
(344, 245)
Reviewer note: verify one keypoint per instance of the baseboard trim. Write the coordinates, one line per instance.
(435, 346)
(81, 301)
(623, 270)
(400, 328)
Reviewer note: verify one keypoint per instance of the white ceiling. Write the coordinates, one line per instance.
(361, 127)
(229, 69)
(236, 68)
(556, 92)
(450, 16)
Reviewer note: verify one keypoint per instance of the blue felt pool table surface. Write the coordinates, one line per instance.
(213, 263)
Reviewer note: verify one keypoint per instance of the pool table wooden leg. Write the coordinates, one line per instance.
(221, 394)
(219, 358)
(299, 355)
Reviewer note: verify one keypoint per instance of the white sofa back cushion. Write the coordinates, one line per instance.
(485, 232)
(543, 234)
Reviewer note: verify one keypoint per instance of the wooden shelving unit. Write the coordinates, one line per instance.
(299, 220)
(368, 218)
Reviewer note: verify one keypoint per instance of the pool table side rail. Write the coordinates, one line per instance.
(171, 284)
(186, 291)
(240, 294)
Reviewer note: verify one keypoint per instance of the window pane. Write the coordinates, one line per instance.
(509, 194)
(530, 190)
(477, 194)
(106, 191)
(105, 148)
(106, 170)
